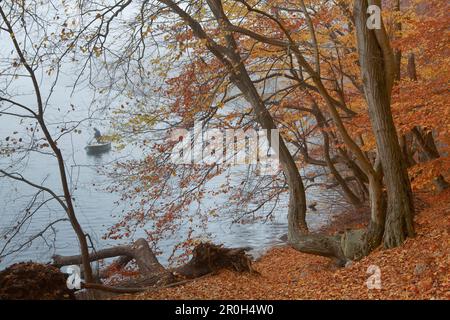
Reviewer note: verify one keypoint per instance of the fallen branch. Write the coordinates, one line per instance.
(206, 259)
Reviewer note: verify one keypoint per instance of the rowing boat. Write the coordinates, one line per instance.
(97, 148)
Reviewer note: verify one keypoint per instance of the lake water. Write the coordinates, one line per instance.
(96, 208)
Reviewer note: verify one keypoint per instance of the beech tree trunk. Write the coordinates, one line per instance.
(350, 245)
(298, 236)
(376, 226)
(426, 139)
(239, 76)
(375, 56)
(230, 57)
(430, 152)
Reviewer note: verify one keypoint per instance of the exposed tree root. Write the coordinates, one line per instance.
(206, 259)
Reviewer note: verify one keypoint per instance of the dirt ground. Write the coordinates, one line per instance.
(33, 281)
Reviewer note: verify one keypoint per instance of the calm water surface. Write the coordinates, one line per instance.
(96, 208)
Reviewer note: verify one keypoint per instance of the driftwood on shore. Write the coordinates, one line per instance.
(206, 258)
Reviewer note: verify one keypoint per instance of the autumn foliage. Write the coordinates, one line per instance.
(200, 88)
(363, 118)
(417, 270)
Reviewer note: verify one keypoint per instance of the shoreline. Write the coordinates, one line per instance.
(419, 269)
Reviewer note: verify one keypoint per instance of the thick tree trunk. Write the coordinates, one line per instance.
(229, 54)
(322, 245)
(297, 230)
(376, 226)
(375, 60)
(239, 76)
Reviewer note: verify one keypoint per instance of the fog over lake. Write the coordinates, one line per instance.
(96, 207)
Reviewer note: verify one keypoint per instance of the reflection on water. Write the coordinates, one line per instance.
(98, 209)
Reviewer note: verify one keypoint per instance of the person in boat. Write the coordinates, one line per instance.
(97, 135)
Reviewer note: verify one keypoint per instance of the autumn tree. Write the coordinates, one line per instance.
(26, 60)
(309, 68)
(378, 70)
(338, 107)
(227, 54)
